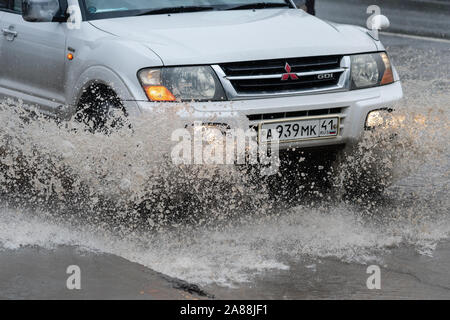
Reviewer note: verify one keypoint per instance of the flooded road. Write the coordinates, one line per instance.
(224, 242)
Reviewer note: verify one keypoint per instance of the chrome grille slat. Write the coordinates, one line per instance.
(278, 76)
(247, 69)
(259, 84)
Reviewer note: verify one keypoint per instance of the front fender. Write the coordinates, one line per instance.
(105, 58)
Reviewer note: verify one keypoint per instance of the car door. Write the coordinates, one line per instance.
(3, 6)
(33, 59)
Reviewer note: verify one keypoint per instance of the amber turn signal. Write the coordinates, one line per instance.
(70, 56)
(388, 76)
(159, 93)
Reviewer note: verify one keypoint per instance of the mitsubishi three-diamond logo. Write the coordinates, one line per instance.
(289, 74)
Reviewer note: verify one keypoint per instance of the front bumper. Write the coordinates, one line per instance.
(354, 106)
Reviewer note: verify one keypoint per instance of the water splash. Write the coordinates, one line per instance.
(60, 185)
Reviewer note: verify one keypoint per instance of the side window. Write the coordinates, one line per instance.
(11, 5)
(17, 6)
(3, 4)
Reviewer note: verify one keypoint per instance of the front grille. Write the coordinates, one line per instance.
(293, 114)
(265, 77)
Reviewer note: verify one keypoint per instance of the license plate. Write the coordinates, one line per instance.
(290, 130)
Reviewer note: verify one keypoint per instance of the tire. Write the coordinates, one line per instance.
(100, 110)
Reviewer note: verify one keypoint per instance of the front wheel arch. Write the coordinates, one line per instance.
(125, 88)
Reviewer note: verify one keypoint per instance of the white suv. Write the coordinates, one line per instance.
(310, 82)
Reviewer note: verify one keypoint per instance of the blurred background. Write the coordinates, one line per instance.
(415, 17)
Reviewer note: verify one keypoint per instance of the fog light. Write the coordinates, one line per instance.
(210, 133)
(376, 118)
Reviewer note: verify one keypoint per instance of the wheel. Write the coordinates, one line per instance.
(100, 110)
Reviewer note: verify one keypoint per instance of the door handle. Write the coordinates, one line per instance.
(9, 33)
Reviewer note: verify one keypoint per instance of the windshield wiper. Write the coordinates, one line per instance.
(260, 5)
(176, 10)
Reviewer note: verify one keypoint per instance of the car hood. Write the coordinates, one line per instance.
(242, 35)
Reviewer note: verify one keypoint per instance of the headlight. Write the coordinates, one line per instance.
(198, 83)
(370, 70)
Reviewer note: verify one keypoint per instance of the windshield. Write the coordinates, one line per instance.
(100, 9)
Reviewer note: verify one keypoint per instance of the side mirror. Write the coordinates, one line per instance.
(379, 22)
(42, 11)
